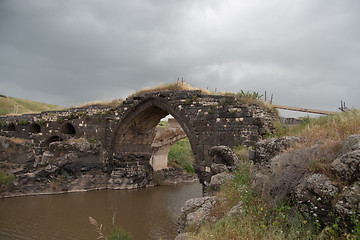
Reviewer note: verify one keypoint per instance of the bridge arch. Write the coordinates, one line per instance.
(161, 146)
(11, 127)
(136, 130)
(54, 138)
(34, 128)
(68, 128)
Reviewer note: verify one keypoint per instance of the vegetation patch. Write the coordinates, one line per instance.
(23, 122)
(255, 219)
(41, 121)
(181, 155)
(111, 103)
(3, 123)
(5, 180)
(334, 127)
(163, 123)
(59, 119)
(176, 86)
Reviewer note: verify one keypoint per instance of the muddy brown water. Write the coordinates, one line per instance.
(150, 213)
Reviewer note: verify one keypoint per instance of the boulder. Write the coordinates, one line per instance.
(350, 144)
(347, 166)
(267, 149)
(224, 155)
(315, 195)
(236, 209)
(196, 211)
(219, 179)
(349, 200)
(183, 236)
(218, 168)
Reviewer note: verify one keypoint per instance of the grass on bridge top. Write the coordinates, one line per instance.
(175, 86)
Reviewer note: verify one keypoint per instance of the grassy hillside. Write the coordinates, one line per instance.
(24, 106)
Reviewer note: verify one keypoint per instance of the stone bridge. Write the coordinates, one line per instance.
(127, 131)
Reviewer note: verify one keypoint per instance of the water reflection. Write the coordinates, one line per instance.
(146, 213)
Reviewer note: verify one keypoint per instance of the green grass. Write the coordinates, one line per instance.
(163, 123)
(24, 106)
(5, 179)
(181, 155)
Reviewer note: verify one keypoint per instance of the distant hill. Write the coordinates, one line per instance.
(7, 106)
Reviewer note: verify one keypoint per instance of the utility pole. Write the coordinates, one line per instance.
(16, 108)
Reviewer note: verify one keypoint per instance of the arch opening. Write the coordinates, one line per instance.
(140, 131)
(11, 127)
(34, 128)
(68, 128)
(168, 133)
(51, 140)
(138, 135)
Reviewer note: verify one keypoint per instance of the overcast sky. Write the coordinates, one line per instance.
(304, 52)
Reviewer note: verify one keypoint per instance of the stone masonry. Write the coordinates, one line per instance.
(127, 131)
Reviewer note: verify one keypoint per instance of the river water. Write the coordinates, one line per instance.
(150, 213)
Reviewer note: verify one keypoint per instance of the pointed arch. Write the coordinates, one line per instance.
(51, 139)
(11, 127)
(68, 128)
(34, 128)
(136, 130)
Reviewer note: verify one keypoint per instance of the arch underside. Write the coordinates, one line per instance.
(136, 133)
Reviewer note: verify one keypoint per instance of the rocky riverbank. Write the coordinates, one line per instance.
(321, 182)
(73, 166)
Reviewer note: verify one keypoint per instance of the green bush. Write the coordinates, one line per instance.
(60, 119)
(23, 122)
(42, 122)
(5, 179)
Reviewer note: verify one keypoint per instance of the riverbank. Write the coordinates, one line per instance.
(298, 187)
(74, 166)
(172, 176)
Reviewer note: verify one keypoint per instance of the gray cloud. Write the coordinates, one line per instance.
(305, 52)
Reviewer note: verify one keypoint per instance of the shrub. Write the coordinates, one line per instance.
(41, 121)
(5, 179)
(188, 101)
(60, 119)
(119, 233)
(23, 122)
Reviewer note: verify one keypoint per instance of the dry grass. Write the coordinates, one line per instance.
(98, 227)
(112, 103)
(176, 86)
(335, 127)
(18, 140)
